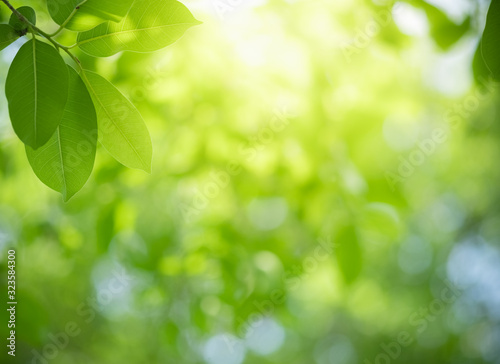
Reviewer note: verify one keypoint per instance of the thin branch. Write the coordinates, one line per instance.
(61, 27)
(14, 10)
(34, 29)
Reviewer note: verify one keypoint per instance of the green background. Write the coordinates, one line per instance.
(315, 119)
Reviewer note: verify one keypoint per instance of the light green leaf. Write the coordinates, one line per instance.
(7, 35)
(149, 25)
(66, 161)
(37, 90)
(349, 254)
(28, 13)
(122, 130)
(89, 13)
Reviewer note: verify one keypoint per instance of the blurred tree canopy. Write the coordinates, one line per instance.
(324, 189)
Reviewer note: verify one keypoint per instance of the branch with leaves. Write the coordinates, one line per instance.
(60, 113)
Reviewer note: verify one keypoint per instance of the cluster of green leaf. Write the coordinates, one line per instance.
(60, 113)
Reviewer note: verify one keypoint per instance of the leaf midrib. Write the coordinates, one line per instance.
(59, 140)
(36, 90)
(112, 120)
(130, 30)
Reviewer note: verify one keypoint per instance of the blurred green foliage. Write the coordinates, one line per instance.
(270, 196)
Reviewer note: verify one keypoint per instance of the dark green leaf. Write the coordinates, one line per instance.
(447, 33)
(36, 89)
(443, 30)
(122, 130)
(66, 161)
(89, 13)
(28, 13)
(7, 35)
(149, 25)
(479, 67)
(490, 42)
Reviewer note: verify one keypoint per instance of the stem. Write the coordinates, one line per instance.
(73, 57)
(68, 19)
(56, 44)
(13, 9)
(59, 29)
(60, 46)
(34, 29)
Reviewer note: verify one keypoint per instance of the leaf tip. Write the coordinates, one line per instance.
(147, 168)
(67, 195)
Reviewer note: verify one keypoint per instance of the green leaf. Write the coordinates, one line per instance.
(444, 31)
(349, 254)
(122, 130)
(7, 35)
(480, 69)
(149, 25)
(37, 90)
(490, 42)
(89, 13)
(28, 13)
(66, 161)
